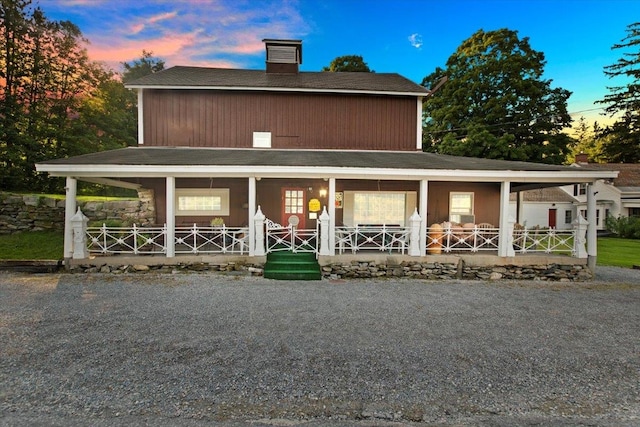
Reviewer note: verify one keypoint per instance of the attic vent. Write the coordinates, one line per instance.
(282, 54)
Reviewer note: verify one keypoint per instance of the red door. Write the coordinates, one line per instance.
(293, 203)
(552, 218)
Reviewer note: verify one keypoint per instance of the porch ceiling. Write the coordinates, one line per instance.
(187, 161)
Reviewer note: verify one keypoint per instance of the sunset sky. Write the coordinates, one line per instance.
(410, 37)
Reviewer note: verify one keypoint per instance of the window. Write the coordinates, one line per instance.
(294, 202)
(461, 207)
(579, 189)
(597, 216)
(378, 207)
(568, 217)
(202, 201)
(634, 212)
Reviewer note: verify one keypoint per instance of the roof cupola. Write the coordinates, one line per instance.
(283, 56)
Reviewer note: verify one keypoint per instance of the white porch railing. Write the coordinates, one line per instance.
(290, 238)
(196, 239)
(544, 241)
(126, 240)
(384, 238)
(466, 239)
(211, 240)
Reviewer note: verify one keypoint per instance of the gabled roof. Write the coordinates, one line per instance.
(549, 194)
(629, 175)
(233, 79)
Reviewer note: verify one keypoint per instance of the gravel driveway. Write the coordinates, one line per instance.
(187, 350)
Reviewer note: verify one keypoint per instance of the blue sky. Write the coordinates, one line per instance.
(410, 37)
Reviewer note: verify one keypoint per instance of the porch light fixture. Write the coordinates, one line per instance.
(323, 192)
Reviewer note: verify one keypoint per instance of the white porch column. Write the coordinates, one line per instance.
(171, 217)
(250, 213)
(424, 191)
(71, 189)
(592, 233)
(331, 201)
(504, 238)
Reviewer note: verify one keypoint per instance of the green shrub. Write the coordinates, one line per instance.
(627, 227)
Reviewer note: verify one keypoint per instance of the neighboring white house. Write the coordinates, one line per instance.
(544, 207)
(559, 206)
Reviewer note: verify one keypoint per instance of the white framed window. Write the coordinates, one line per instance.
(202, 201)
(461, 207)
(568, 217)
(378, 207)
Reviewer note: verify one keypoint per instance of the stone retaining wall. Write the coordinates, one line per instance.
(367, 270)
(37, 213)
(438, 271)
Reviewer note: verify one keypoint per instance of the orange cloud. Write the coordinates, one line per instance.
(198, 32)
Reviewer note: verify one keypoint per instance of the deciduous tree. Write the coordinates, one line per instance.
(495, 103)
(47, 84)
(350, 63)
(145, 65)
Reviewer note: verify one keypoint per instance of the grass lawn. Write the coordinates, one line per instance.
(618, 252)
(32, 245)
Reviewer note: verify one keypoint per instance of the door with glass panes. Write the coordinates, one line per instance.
(293, 203)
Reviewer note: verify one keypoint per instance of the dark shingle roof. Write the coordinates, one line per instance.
(259, 79)
(179, 156)
(629, 175)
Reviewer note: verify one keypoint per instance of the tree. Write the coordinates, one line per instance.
(47, 82)
(624, 135)
(141, 67)
(349, 63)
(495, 103)
(588, 141)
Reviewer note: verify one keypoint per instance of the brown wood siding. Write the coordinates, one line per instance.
(486, 197)
(486, 201)
(200, 118)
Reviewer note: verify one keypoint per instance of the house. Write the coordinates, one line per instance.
(548, 207)
(619, 196)
(558, 206)
(330, 162)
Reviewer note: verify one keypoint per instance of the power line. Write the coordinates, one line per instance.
(515, 122)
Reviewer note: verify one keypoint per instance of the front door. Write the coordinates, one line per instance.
(293, 203)
(552, 218)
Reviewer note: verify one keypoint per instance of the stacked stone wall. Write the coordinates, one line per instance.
(37, 213)
(459, 270)
(368, 270)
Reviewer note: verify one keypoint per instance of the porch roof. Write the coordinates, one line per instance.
(408, 165)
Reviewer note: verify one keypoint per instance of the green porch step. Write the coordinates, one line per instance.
(292, 266)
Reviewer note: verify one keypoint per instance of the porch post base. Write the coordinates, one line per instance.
(591, 263)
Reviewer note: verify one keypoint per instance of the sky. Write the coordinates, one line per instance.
(409, 37)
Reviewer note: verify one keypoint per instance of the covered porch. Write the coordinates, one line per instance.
(258, 181)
